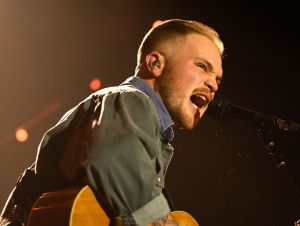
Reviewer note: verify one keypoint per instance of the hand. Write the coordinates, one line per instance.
(166, 220)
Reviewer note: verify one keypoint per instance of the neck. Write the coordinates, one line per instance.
(148, 79)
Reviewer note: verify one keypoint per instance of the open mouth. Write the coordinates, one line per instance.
(199, 100)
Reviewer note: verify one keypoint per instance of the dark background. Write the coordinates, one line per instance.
(221, 173)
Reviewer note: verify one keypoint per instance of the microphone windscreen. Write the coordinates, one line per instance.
(219, 108)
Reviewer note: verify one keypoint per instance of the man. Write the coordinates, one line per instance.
(118, 139)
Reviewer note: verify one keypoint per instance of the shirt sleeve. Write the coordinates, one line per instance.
(124, 163)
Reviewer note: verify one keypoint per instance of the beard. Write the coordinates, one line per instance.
(168, 88)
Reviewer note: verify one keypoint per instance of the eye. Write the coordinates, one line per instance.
(202, 66)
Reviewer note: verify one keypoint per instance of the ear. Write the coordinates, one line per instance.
(155, 63)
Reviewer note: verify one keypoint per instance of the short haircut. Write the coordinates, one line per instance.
(170, 30)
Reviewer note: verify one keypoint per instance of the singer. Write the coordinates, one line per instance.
(117, 140)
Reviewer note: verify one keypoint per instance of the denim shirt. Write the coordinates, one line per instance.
(165, 120)
(117, 142)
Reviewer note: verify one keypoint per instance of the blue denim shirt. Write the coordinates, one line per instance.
(117, 142)
(164, 117)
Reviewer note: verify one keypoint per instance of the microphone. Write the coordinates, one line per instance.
(222, 109)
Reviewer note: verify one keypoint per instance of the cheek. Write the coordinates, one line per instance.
(193, 80)
(186, 85)
(187, 78)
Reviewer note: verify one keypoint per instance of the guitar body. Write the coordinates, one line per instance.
(79, 207)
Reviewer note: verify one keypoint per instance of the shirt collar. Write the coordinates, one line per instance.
(164, 117)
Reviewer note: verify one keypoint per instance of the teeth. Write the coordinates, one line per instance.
(199, 100)
(202, 97)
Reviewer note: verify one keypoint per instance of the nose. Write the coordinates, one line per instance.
(211, 83)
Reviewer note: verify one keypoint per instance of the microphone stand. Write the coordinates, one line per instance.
(267, 127)
(266, 133)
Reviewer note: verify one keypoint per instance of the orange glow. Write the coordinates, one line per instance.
(95, 84)
(22, 135)
(157, 22)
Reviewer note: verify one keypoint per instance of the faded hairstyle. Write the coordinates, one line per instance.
(170, 30)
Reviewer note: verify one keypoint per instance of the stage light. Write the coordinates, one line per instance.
(95, 84)
(157, 22)
(21, 135)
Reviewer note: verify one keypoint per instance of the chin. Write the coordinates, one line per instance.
(185, 119)
(188, 127)
(188, 124)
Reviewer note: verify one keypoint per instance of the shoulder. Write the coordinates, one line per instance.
(120, 90)
(113, 100)
(125, 94)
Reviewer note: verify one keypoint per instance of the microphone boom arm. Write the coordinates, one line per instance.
(221, 109)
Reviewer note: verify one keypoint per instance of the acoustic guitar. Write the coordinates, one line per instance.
(79, 207)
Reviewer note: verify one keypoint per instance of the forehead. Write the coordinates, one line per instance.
(197, 46)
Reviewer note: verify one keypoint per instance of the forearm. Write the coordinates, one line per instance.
(166, 220)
